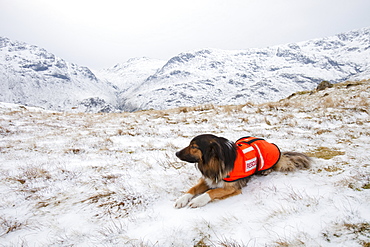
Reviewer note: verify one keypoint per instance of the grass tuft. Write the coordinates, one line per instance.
(9, 225)
(357, 231)
(325, 153)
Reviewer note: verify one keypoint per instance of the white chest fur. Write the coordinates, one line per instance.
(212, 184)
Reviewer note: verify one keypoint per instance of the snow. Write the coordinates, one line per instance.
(82, 179)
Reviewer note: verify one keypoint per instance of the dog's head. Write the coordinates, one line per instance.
(214, 155)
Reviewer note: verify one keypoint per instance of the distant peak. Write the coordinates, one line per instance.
(134, 59)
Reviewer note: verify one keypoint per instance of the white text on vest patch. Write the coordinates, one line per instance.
(250, 164)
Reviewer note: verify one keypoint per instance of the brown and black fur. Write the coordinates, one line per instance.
(215, 158)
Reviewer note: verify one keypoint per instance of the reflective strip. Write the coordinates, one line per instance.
(248, 149)
(262, 161)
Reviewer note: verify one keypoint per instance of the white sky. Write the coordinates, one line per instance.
(102, 33)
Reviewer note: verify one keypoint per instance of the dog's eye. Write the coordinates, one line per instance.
(194, 147)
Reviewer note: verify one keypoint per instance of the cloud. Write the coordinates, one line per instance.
(102, 33)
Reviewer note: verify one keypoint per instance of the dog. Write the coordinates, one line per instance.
(226, 166)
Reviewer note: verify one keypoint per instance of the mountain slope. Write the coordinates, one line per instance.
(258, 75)
(130, 73)
(126, 76)
(70, 179)
(32, 76)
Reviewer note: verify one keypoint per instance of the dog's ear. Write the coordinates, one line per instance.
(229, 153)
(230, 157)
(214, 151)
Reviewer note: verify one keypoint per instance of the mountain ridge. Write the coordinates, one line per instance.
(32, 76)
(256, 75)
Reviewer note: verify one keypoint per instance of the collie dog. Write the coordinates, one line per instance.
(227, 166)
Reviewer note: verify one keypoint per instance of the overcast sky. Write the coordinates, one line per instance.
(103, 33)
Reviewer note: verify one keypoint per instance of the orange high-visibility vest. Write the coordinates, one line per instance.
(253, 154)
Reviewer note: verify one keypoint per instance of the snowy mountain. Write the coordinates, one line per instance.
(258, 75)
(130, 73)
(32, 76)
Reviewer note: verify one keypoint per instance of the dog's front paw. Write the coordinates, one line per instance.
(200, 201)
(184, 200)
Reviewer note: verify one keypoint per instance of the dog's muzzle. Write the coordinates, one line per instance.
(186, 157)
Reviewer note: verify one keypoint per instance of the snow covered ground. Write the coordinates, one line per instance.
(112, 179)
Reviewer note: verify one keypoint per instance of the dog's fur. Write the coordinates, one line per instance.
(215, 158)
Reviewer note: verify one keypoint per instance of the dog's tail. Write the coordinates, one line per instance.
(290, 161)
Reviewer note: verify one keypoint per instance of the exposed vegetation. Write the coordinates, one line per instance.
(324, 153)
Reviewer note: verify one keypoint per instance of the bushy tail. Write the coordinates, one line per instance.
(290, 161)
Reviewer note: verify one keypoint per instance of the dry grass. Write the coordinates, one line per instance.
(229, 109)
(113, 204)
(4, 131)
(358, 231)
(170, 162)
(325, 153)
(230, 243)
(357, 181)
(34, 172)
(348, 84)
(186, 109)
(9, 225)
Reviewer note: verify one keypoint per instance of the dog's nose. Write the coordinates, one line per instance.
(178, 153)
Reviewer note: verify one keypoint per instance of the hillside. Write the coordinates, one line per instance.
(82, 179)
